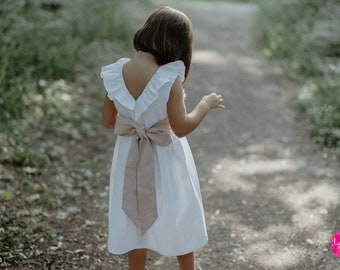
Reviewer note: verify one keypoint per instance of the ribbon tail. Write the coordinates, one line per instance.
(130, 203)
(146, 190)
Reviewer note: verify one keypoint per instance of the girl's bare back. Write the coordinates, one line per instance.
(138, 72)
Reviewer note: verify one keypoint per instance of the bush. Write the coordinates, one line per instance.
(44, 40)
(304, 33)
(320, 100)
(48, 115)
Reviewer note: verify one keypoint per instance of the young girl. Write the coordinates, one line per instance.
(155, 201)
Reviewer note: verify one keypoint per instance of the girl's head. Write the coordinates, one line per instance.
(167, 34)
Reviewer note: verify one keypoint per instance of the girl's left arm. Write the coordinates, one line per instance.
(109, 114)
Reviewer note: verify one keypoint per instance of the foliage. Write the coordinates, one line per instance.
(41, 41)
(49, 110)
(37, 171)
(305, 34)
(320, 100)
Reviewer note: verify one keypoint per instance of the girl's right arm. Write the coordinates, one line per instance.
(109, 113)
(181, 122)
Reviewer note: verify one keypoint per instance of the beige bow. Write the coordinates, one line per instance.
(139, 197)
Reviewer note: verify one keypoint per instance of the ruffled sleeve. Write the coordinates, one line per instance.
(114, 83)
(174, 69)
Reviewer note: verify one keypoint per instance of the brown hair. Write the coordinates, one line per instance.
(167, 34)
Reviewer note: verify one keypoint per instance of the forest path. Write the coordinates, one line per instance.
(271, 197)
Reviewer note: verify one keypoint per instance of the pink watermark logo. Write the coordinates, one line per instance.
(336, 244)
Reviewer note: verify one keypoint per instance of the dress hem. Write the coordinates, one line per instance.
(160, 252)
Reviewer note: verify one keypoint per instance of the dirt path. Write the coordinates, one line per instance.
(271, 196)
(272, 199)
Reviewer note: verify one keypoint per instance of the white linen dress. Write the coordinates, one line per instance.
(180, 227)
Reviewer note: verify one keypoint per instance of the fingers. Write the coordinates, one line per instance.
(219, 100)
(218, 107)
(215, 101)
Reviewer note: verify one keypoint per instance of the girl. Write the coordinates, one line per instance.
(155, 201)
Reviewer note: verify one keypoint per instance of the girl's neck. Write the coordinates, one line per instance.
(146, 56)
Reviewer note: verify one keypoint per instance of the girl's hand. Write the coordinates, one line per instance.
(214, 101)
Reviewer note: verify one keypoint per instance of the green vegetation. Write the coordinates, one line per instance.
(50, 98)
(305, 34)
(42, 42)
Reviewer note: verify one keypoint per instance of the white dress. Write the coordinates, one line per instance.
(180, 227)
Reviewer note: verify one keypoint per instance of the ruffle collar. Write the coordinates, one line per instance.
(117, 90)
